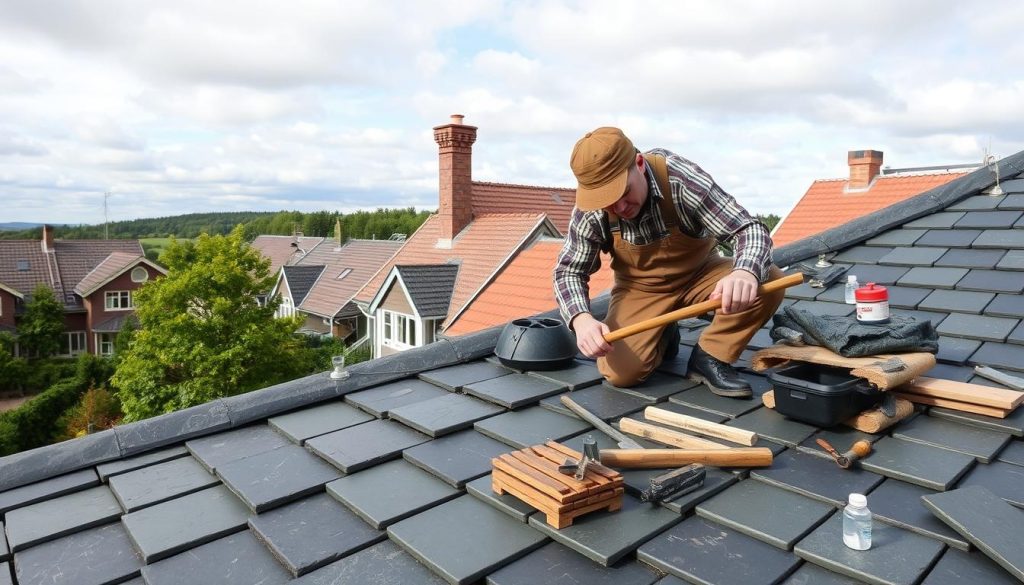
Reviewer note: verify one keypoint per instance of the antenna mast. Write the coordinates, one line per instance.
(106, 228)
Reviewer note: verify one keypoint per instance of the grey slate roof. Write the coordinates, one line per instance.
(408, 513)
(300, 280)
(430, 286)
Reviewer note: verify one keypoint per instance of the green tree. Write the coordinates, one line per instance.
(41, 328)
(202, 335)
(12, 369)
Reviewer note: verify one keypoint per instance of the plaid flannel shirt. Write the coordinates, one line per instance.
(704, 209)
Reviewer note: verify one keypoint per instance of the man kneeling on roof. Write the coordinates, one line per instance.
(660, 217)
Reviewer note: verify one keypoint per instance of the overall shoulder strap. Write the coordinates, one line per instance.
(659, 167)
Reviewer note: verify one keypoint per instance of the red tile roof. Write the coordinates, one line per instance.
(77, 258)
(13, 251)
(112, 265)
(480, 249)
(280, 251)
(505, 198)
(522, 289)
(360, 258)
(827, 204)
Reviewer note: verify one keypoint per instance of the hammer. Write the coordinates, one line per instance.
(857, 451)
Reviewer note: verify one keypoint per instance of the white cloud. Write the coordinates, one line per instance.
(196, 106)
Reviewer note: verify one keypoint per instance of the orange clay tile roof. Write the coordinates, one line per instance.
(480, 250)
(522, 289)
(280, 251)
(504, 198)
(358, 260)
(827, 205)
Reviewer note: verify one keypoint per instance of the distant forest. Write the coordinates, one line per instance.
(379, 224)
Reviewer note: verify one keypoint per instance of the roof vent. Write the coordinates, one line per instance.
(993, 164)
(23, 266)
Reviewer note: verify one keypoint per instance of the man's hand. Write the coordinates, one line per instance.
(590, 335)
(738, 291)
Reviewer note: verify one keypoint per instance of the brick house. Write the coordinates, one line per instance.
(93, 279)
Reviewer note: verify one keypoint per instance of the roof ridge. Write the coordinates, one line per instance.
(496, 184)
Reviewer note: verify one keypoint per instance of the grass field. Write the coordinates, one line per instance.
(153, 247)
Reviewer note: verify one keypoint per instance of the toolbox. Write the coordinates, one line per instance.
(821, 395)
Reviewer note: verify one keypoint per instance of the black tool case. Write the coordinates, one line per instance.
(821, 395)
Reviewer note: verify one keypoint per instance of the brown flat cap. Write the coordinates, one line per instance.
(601, 160)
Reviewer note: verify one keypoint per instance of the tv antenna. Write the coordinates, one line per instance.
(106, 227)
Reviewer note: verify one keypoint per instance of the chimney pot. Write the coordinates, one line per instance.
(457, 118)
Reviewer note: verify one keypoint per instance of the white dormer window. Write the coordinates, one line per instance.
(119, 300)
(140, 274)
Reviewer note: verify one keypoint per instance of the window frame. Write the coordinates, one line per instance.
(145, 274)
(83, 345)
(118, 296)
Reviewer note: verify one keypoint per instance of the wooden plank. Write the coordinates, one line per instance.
(954, 405)
(527, 494)
(544, 466)
(666, 436)
(540, 481)
(964, 392)
(699, 426)
(593, 474)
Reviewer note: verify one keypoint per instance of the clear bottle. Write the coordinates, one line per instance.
(851, 289)
(857, 523)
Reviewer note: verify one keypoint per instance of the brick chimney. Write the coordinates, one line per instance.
(864, 167)
(47, 238)
(455, 155)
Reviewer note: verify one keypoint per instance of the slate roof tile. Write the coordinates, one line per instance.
(93, 557)
(216, 450)
(482, 490)
(899, 503)
(238, 559)
(313, 532)
(445, 414)
(971, 258)
(896, 555)
(955, 300)
(1012, 260)
(932, 277)
(514, 390)
(389, 492)
(1001, 239)
(317, 420)
(50, 488)
(106, 470)
(701, 551)
(862, 254)
(1006, 305)
(365, 445)
(456, 458)
(979, 443)
(380, 400)
(942, 220)
(607, 537)
(530, 426)
(429, 287)
(384, 562)
(988, 219)
(160, 482)
(579, 374)
(43, 521)
(454, 378)
(957, 567)
(977, 327)
(183, 523)
(553, 563)
(948, 238)
(441, 536)
(272, 478)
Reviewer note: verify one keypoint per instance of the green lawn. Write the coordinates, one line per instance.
(153, 247)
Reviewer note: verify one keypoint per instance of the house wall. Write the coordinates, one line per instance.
(96, 304)
(316, 323)
(395, 300)
(7, 304)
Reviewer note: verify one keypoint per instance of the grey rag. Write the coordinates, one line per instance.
(850, 338)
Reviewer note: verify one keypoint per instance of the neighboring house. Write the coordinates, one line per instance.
(481, 228)
(322, 283)
(522, 288)
(94, 279)
(284, 250)
(831, 202)
(393, 484)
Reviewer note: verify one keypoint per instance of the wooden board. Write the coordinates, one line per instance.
(666, 436)
(964, 392)
(532, 475)
(954, 405)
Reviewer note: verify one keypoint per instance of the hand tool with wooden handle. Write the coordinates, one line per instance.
(700, 426)
(859, 450)
(674, 484)
(666, 436)
(656, 458)
(697, 309)
(622, 440)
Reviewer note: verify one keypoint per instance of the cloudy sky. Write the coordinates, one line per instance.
(197, 106)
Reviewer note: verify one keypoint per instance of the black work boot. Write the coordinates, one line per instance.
(719, 376)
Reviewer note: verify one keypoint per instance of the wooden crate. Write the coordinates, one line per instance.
(532, 476)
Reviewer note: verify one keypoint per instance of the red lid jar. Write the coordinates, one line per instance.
(872, 304)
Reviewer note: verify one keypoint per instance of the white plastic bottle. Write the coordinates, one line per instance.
(851, 289)
(857, 523)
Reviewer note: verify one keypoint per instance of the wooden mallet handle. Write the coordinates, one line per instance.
(700, 426)
(698, 309)
(658, 458)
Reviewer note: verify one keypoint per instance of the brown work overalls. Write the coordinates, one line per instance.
(665, 275)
